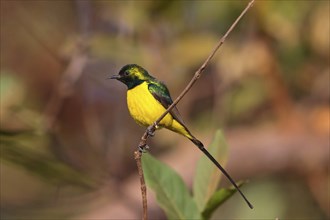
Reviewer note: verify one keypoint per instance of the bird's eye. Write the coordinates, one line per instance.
(126, 73)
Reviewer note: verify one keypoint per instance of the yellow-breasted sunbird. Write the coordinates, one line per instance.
(148, 99)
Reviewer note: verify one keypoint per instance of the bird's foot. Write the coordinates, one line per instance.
(151, 130)
(143, 148)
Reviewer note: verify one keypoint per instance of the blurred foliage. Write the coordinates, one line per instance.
(38, 163)
(64, 128)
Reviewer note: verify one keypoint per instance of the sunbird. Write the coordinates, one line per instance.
(148, 99)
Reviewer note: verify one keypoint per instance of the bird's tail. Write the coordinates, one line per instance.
(196, 142)
(215, 162)
(181, 129)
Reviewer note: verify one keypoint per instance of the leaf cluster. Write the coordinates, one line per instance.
(172, 193)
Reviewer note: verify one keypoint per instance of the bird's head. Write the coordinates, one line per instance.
(132, 75)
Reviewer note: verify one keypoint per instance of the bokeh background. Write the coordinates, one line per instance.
(67, 139)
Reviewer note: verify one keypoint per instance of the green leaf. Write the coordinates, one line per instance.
(207, 176)
(171, 192)
(217, 199)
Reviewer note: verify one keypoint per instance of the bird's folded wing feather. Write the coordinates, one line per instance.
(162, 95)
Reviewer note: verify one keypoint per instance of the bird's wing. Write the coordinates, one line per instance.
(160, 92)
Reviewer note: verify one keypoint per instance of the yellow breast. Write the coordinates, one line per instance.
(144, 108)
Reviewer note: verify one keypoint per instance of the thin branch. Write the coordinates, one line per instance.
(194, 79)
(137, 157)
(201, 69)
(152, 128)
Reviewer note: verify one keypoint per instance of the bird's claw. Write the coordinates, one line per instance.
(151, 131)
(143, 149)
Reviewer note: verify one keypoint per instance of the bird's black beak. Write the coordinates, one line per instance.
(114, 77)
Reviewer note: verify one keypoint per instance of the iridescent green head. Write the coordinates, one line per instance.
(132, 75)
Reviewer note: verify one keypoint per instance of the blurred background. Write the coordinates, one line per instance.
(67, 139)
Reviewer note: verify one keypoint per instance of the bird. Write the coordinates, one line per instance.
(148, 98)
